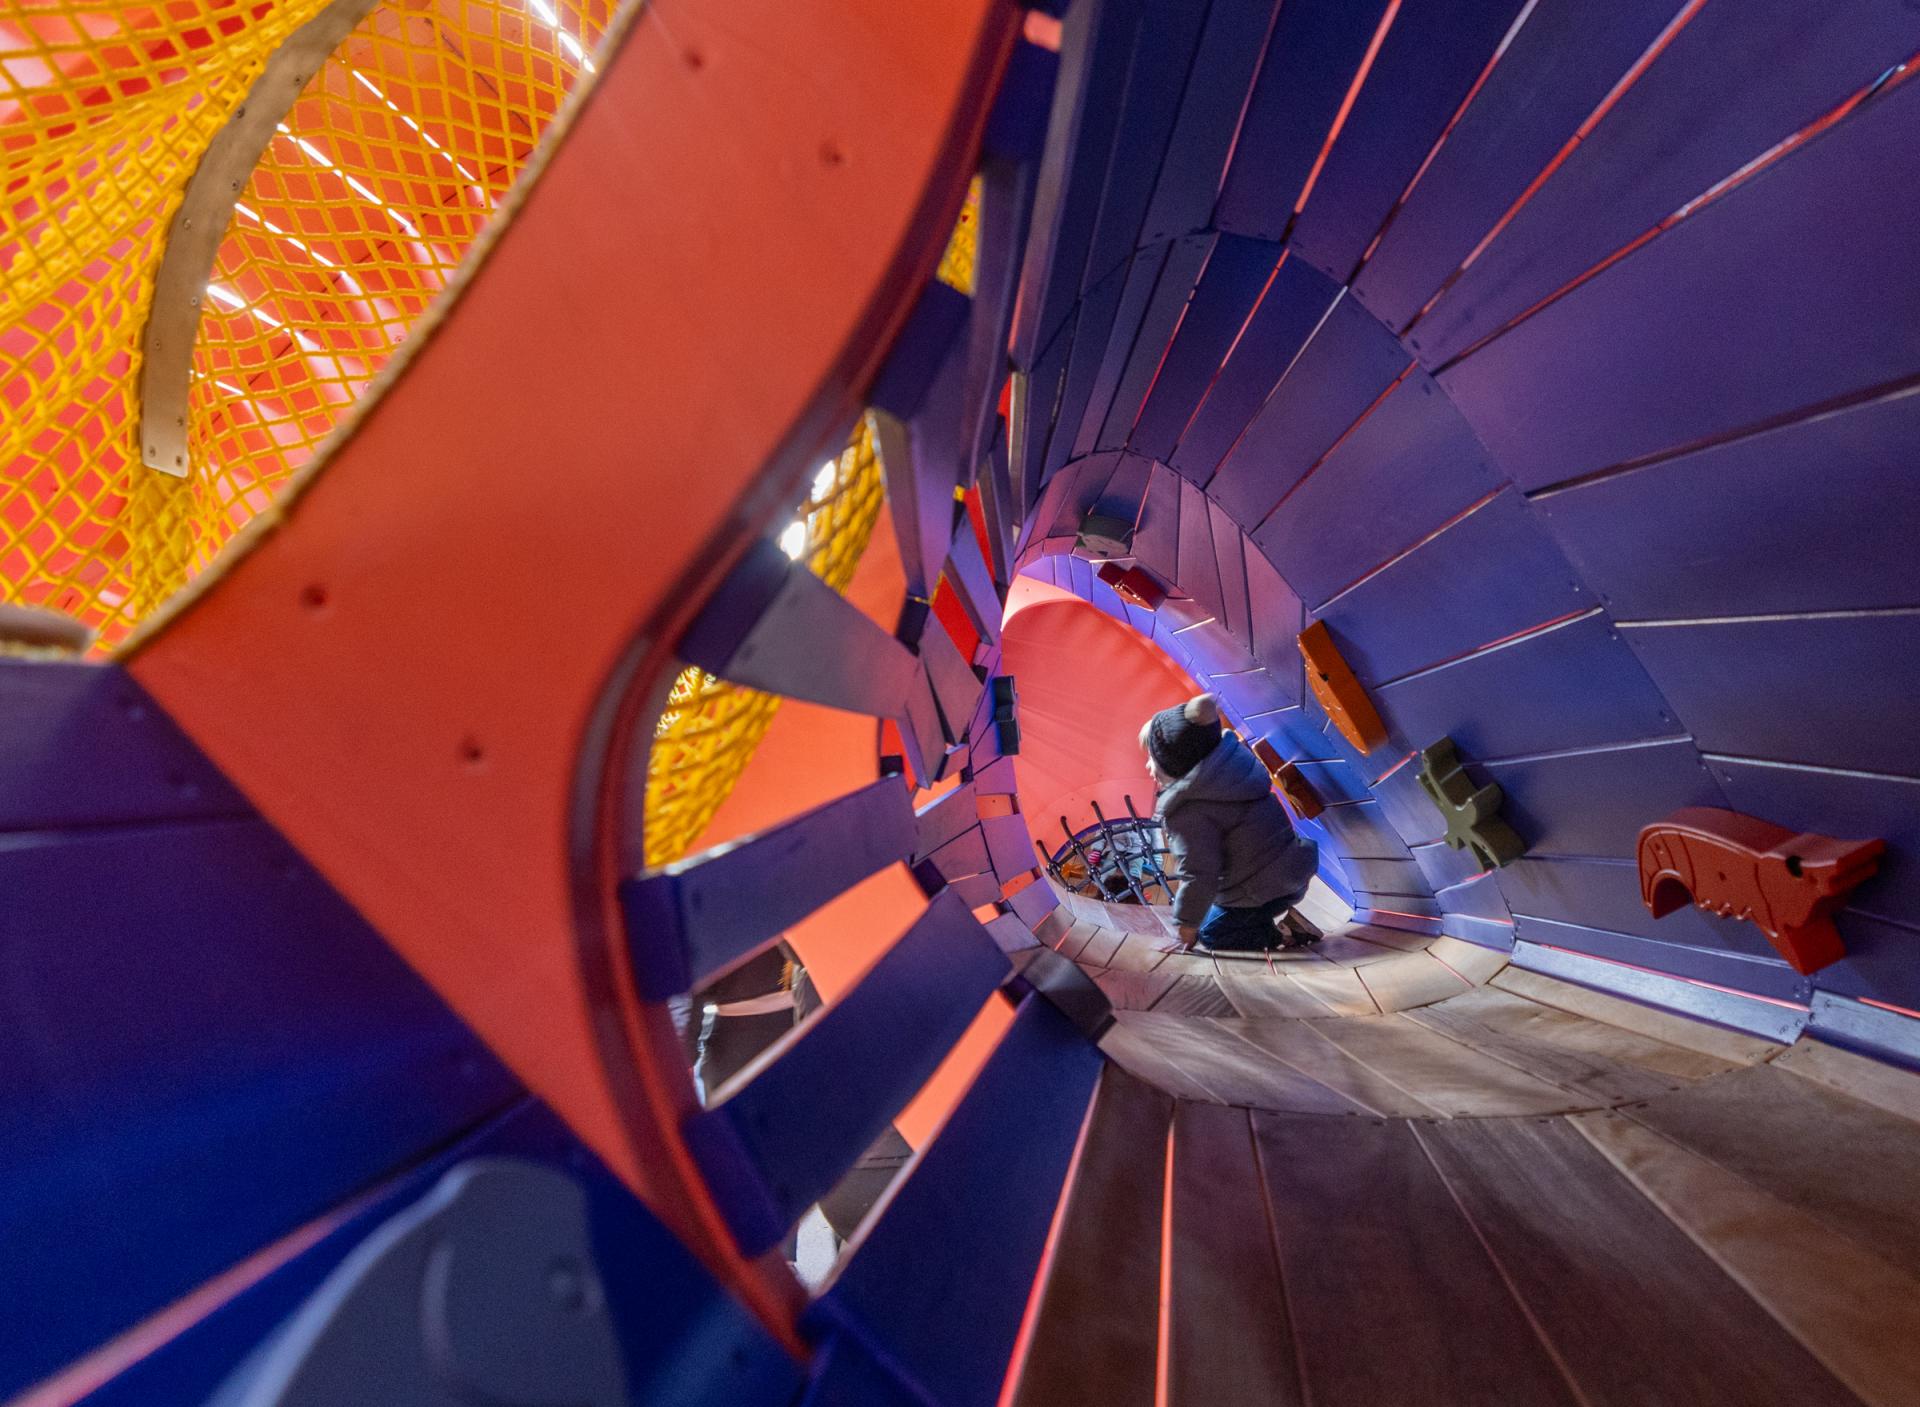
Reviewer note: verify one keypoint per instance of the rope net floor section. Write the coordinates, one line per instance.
(380, 178)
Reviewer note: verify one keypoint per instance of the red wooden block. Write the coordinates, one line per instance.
(1786, 885)
(1338, 691)
(1134, 585)
(1293, 785)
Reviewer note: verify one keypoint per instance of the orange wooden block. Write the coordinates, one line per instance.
(1340, 694)
(1293, 785)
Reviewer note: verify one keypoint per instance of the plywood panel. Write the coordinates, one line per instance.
(1228, 1344)
(1411, 980)
(1300, 1044)
(1594, 803)
(1728, 1046)
(1544, 1199)
(1361, 1218)
(1443, 1073)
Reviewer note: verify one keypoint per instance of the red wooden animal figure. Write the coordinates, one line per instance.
(1134, 585)
(1786, 885)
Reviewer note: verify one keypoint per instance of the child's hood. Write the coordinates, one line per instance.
(1229, 773)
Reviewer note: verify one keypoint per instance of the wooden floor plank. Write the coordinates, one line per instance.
(1234, 1071)
(1194, 994)
(1228, 1342)
(1855, 1313)
(1411, 980)
(1298, 1044)
(1362, 1219)
(1874, 1082)
(1336, 988)
(1348, 952)
(1132, 991)
(1101, 947)
(1096, 1338)
(1397, 939)
(1730, 1046)
(1560, 1048)
(1850, 1166)
(1473, 962)
(1257, 992)
(1142, 952)
(1140, 1055)
(1451, 1077)
(1077, 938)
(1634, 1310)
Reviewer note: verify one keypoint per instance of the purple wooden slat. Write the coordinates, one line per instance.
(1606, 894)
(1575, 685)
(1010, 849)
(972, 582)
(1725, 969)
(956, 688)
(1082, 482)
(1140, 620)
(1032, 904)
(1489, 575)
(1407, 468)
(772, 1147)
(1190, 178)
(1034, 403)
(1849, 806)
(1124, 491)
(1679, 341)
(1110, 316)
(693, 920)
(1109, 601)
(1294, 735)
(1443, 868)
(959, 1241)
(1198, 574)
(1475, 898)
(1187, 257)
(1081, 577)
(1342, 371)
(1879, 963)
(996, 779)
(1289, 311)
(1556, 71)
(1156, 538)
(922, 732)
(1226, 293)
(1404, 911)
(944, 819)
(86, 746)
(1362, 830)
(1252, 695)
(1335, 781)
(1738, 1013)
(1405, 805)
(965, 855)
(1770, 523)
(1277, 620)
(977, 890)
(1488, 933)
(1095, 50)
(1432, 54)
(1695, 117)
(1383, 877)
(1838, 691)
(1229, 554)
(1870, 1030)
(1311, 61)
(1164, 48)
(1594, 803)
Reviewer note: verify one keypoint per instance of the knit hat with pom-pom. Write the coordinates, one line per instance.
(1179, 739)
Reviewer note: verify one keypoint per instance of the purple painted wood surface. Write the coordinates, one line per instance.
(1363, 830)
(1187, 258)
(1444, 868)
(1679, 341)
(1407, 468)
(1870, 1030)
(1095, 51)
(1336, 781)
(1424, 70)
(1594, 803)
(1109, 319)
(1400, 878)
(944, 819)
(1222, 300)
(1407, 807)
(960, 1239)
(1556, 71)
(1253, 695)
(86, 746)
(977, 890)
(1768, 523)
(964, 855)
(1229, 554)
(1289, 311)
(693, 920)
(1574, 685)
(1739, 1013)
(1695, 117)
(1606, 894)
(1298, 738)
(973, 584)
(1198, 574)
(1850, 806)
(1879, 963)
(956, 688)
(1277, 620)
(204, 1049)
(1488, 933)
(1126, 488)
(874, 1048)
(1489, 575)
(1156, 537)
(1230, 49)
(1032, 904)
(1010, 850)
(1475, 898)
(1311, 61)
(1342, 371)
(1162, 52)
(1759, 976)
(1827, 690)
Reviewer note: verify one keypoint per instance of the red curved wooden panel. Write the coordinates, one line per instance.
(412, 676)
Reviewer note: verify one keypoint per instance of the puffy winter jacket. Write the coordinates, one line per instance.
(1232, 842)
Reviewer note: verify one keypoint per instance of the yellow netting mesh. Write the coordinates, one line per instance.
(387, 167)
(709, 729)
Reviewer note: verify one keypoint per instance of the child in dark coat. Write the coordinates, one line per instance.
(1240, 865)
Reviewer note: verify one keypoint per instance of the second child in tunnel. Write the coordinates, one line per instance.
(1238, 861)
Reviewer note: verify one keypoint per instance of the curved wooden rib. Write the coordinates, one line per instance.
(421, 674)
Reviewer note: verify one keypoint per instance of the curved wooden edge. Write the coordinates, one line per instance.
(200, 224)
(435, 669)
